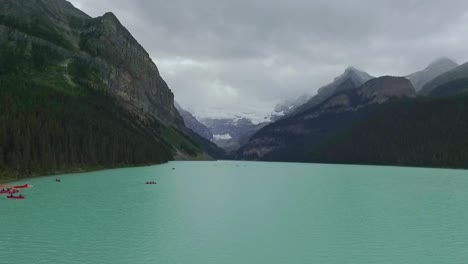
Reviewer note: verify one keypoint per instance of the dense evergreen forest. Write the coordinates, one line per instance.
(428, 132)
(421, 132)
(52, 121)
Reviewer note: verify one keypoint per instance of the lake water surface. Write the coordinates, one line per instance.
(240, 212)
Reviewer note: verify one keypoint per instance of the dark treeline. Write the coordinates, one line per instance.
(450, 88)
(43, 130)
(50, 122)
(429, 132)
(61, 106)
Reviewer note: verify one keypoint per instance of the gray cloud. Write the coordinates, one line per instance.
(243, 54)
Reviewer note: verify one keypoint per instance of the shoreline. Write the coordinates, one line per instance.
(85, 170)
(74, 171)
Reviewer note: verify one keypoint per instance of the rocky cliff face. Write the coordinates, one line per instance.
(81, 93)
(128, 71)
(102, 52)
(381, 89)
(351, 79)
(375, 91)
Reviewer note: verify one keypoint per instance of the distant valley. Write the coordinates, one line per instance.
(232, 133)
(227, 133)
(361, 119)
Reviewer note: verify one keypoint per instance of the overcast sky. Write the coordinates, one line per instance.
(239, 55)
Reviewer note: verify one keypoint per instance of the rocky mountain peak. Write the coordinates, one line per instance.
(432, 71)
(449, 83)
(351, 79)
(357, 76)
(53, 8)
(443, 62)
(351, 70)
(111, 16)
(61, 7)
(375, 91)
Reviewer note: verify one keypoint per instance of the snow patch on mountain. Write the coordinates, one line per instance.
(222, 137)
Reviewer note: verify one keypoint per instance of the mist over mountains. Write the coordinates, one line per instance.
(80, 93)
(382, 122)
(240, 56)
(353, 91)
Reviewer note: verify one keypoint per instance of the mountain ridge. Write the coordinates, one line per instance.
(352, 78)
(432, 71)
(192, 123)
(53, 57)
(288, 133)
(456, 77)
(231, 133)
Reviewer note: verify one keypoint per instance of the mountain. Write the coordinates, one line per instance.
(208, 147)
(436, 68)
(291, 138)
(80, 93)
(92, 47)
(201, 135)
(288, 106)
(351, 79)
(231, 133)
(255, 114)
(192, 123)
(421, 132)
(450, 83)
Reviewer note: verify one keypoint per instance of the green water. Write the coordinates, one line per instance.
(240, 212)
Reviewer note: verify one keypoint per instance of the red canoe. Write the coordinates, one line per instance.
(11, 191)
(21, 186)
(16, 197)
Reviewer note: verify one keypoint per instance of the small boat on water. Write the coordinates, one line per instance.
(15, 187)
(58, 180)
(21, 186)
(151, 182)
(8, 191)
(20, 197)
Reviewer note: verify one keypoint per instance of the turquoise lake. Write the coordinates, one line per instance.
(240, 212)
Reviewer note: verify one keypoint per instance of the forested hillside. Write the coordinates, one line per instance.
(428, 132)
(49, 124)
(380, 123)
(78, 93)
